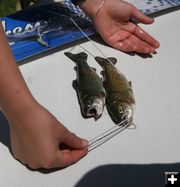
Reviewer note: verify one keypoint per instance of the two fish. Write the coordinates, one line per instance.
(115, 89)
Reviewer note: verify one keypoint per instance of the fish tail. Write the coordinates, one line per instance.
(101, 60)
(76, 57)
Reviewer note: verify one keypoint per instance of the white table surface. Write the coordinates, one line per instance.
(133, 157)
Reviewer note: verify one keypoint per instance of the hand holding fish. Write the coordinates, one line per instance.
(36, 139)
(113, 20)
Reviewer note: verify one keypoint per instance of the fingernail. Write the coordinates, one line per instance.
(152, 50)
(85, 150)
(85, 143)
(157, 45)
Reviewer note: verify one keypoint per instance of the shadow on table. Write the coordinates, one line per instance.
(128, 175)
(4, 131)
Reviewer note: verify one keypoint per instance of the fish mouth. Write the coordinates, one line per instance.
(92, 112)
(127, 116)
(124, 115)
(96, 108)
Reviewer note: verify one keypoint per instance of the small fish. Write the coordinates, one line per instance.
(89, 87)
(119, 95)
(31, 35)
(56, 26)
(42, 32)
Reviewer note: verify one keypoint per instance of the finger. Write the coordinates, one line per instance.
(138, 45)
(66, 158)
(139, 16)
(73, 141)
(143, 35)
(127, 42)
(133, 44)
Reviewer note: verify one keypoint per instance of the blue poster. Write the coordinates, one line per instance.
(45, 27)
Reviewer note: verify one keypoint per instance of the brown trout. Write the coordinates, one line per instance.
(119, 95)
(89, 87)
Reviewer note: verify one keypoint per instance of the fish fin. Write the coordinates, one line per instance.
(74, 84)
(130, 83)
(101, 60)
(76, 57)
(104, 85)
(93, 68)
(102, 73)
(103, 93)
(112, 59)
(75, 68)
(42, 42)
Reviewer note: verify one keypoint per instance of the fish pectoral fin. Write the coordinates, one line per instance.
(75, 68)
(104, 85)
(93, 68)
(102, 78)
(102, 73)
(130, 83)
(74, 84)
(103, 93)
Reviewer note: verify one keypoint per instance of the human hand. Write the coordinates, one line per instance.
(36, 139)
(36, 135)
(114, 24)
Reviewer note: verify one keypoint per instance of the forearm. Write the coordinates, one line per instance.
(14, 94)
(35, 133)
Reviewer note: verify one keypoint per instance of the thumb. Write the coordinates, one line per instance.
(140, 17)
(73, 141)
(68, 157)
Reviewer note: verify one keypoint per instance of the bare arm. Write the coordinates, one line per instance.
(13, 90)
(35, 133)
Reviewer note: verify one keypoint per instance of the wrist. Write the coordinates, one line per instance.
(18, 108)
(91, 7)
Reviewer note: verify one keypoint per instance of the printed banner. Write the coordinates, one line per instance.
(42, 28)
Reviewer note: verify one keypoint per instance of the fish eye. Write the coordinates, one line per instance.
(88, 103)
(121, 110)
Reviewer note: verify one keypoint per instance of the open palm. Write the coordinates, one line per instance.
(114, 24)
